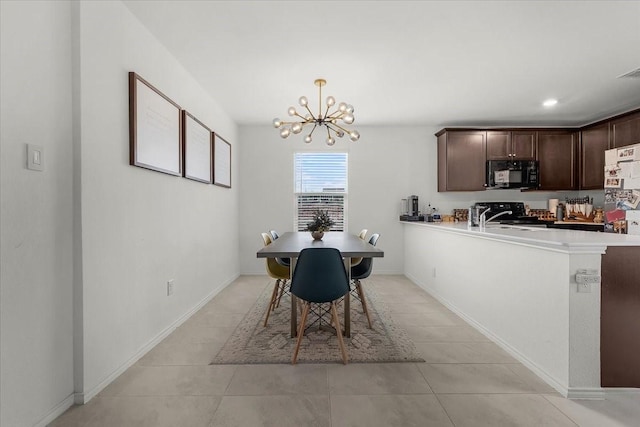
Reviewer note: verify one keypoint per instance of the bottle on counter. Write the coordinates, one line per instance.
(560, 212)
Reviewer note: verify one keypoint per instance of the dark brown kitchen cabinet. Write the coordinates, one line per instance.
(557, 152)
(461, 160)
(625, 130)
(594, 141)
(511, 145)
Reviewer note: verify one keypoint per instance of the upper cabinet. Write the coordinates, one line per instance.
(461, 160)
(569, 159)
(557, 154)
(511, 145)
(625, 130)
(594, 141)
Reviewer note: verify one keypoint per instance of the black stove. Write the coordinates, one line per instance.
(518, 213)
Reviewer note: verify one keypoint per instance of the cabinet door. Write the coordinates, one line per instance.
(464, 161)
(557, 156)
(593, 143)
(498, 145)
(625, 130)
(523, 145)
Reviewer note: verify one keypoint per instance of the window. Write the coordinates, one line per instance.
(320, 182)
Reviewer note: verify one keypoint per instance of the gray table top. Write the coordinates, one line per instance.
(290, 244)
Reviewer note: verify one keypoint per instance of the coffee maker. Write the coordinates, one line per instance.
(413, 205)
(410, 211)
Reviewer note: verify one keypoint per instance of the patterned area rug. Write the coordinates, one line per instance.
(252, 343)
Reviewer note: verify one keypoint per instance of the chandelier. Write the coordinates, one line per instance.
(333, 121)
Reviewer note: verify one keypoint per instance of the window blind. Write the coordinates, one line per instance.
(320, 183)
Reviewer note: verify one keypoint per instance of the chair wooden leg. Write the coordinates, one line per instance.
(283, 285)
(272, 301)
(364, 302)
(303, 321)
(336, 321)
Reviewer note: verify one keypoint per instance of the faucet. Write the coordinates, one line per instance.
(484, 221)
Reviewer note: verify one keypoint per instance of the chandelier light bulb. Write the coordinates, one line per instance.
(330, 141)
(342, 107)
(277, 123)
(296, 128)
(349, 108)
(348, 118)
(285, 132)
(303, 101)
(354, 135)
(292, 111)
(340, 134)
(307, 139)
(331, 101)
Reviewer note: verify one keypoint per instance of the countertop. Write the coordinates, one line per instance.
(550, 238)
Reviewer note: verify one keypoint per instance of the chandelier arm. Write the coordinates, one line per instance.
(341, 128)
(312, 116)
(339, 115)
(314, 128)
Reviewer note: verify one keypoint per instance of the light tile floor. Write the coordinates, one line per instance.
(466, 380)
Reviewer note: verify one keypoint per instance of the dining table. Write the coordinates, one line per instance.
(290, 244)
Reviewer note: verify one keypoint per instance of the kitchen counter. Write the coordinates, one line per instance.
(550, 238)
(517, 285)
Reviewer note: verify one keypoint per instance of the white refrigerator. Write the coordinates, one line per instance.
(622, 190)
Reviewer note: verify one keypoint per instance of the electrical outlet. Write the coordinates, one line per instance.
(170, 287)
(584, 287)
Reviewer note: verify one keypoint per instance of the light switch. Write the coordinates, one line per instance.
(35, 157)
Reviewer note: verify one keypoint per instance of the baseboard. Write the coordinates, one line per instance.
(559, 387)
(82, 398)
(590, 393)
(56, 411)
(620, 390)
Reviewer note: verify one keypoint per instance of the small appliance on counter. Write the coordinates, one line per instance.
(412, 210)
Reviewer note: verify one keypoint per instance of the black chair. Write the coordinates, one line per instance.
(320, 277)
(286, 262)
(361, 271)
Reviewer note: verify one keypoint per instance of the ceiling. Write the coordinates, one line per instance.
(437, 63)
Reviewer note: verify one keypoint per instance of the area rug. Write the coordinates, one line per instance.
(252, 343)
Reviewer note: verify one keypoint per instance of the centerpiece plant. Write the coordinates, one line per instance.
(321, 222)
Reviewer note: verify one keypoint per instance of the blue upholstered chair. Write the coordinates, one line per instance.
(360, 271)
(320, 277)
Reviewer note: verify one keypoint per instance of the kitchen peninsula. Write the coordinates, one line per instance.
(518, 286)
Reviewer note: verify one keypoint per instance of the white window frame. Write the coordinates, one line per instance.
(344, 194)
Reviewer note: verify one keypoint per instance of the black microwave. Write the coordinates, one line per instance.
(512, 174)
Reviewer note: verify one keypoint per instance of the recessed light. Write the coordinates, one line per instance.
(550, 102)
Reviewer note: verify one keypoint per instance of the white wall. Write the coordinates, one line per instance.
(141, 228)
(534, 313)
(380, 174)
(89, 243)
(36, 329)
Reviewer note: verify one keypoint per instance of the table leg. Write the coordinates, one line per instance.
(347, 300)
(294, 312)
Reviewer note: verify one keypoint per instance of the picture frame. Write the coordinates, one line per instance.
(197, 140)
(155, 128)
(221, 162)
